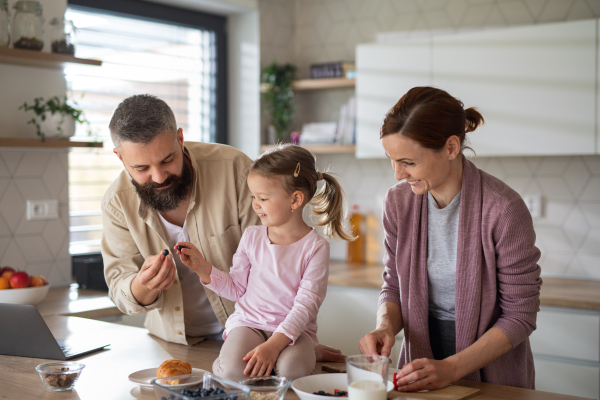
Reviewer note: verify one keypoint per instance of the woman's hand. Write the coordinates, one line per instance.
(192, 258)
(262, 359)
(378, 342)
(424, 374)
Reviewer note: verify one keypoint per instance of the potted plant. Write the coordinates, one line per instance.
(54, 117)
(279, 96)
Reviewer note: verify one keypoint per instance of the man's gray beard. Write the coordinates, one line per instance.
(168, 199)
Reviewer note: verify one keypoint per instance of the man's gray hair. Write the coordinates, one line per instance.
(140, 118)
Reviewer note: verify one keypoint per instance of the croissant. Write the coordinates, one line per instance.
(173, 367)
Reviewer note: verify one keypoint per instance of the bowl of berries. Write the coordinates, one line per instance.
(317, 387)
(198, 386)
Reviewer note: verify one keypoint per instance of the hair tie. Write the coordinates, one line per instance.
(297, 171)
(319, 176)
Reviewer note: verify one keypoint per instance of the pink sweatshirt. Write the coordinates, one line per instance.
(278, 288)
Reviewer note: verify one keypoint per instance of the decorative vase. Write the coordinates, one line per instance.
(57, 126)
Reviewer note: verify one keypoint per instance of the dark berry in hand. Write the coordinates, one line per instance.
(181, 247)
(166, 252)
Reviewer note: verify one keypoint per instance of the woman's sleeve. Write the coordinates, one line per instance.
(311, 293)
(390, 290)
(518, 273)
(232, 285)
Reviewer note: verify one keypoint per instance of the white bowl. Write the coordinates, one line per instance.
(306, 386)
(30, 295)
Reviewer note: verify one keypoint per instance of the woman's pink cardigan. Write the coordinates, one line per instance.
(497, 277)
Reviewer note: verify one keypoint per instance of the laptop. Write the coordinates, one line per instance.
(24, 333)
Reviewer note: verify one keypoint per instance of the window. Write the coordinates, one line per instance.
(181, 64)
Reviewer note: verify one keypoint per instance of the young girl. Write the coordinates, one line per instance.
(280, 270)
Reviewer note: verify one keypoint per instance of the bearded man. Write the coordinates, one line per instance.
(171, 193)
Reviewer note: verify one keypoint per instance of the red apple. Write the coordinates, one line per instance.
(36, 281)
(19, 280)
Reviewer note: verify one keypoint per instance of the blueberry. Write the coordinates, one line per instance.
(181, 247)
(166, 252)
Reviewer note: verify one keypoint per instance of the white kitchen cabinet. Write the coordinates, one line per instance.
(385, 72)
(348, 314)
(535, 86)
(567, 378)
(567, 333)
(566, 351)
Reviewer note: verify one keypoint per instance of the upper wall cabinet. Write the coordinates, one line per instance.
(534, 86)
(385, 72)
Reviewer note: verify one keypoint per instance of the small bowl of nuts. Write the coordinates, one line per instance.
(60, 376)
(267, 387)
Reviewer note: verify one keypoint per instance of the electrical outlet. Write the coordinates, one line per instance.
(534, 204)
(42, 209)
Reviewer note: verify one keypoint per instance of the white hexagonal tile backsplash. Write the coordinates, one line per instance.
(37, 247)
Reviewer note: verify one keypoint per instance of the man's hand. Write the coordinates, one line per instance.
(192, 258)
(378, 342)
(157, 273)
(326, 353)
(424, 374)
(262, 359)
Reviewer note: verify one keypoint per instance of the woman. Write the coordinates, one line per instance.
(461, 275)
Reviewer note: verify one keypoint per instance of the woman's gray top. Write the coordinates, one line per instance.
(442, 240)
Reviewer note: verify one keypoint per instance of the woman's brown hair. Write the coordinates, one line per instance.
(430, 116)
(288, 160)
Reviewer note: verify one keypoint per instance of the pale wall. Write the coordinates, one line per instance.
(40, 247)
(329, 30)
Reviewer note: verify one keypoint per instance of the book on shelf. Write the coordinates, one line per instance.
(339, 69)
(318, 133)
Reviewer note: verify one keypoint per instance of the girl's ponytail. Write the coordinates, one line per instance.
(328, 207)
(297, 169)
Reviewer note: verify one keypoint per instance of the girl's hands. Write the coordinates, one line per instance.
(192, 258)
(262, 359)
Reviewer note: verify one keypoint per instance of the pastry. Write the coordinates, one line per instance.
(173, 367)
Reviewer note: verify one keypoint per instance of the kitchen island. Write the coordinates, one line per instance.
(132, 349)
(70, 314)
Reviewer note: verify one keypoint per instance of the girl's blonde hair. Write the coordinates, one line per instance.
(296, 168)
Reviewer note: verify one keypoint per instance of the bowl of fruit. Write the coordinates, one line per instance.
(18, 287)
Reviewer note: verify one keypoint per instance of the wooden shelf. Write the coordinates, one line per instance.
(327, 83)
(321, 148)
(48, 143)
(41, 59)
(315, 84)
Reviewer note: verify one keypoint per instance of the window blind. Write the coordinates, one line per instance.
(176, 63)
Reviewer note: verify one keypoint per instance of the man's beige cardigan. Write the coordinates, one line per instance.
(220, 210)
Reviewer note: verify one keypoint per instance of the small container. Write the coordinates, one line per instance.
(60, 376)
(267, 387)
(4, 24)
(62, 36)
(28, 26)
(188, 384)
(356, 250)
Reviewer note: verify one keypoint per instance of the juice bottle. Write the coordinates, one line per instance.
(356, 247)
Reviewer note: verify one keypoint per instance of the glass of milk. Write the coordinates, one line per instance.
(367, 377)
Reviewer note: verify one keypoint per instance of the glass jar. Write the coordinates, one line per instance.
(62, 36)
(28, 26)
(4, 24)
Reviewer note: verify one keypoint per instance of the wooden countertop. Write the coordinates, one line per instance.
(105, 375)
(556, 292)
